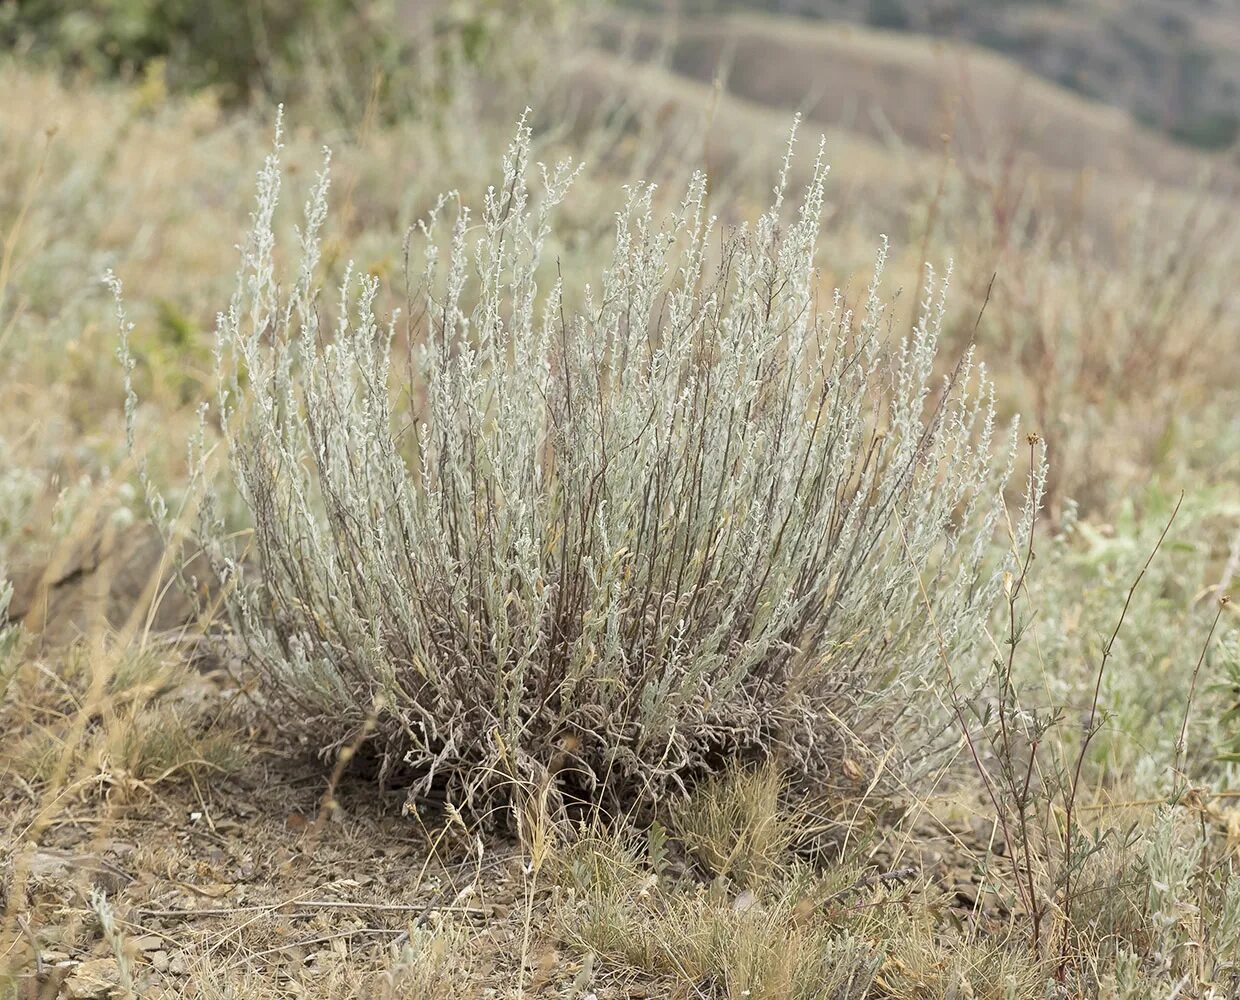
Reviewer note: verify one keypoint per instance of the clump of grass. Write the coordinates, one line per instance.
(155, 744)
(433, 963)
(835, 931)
(918, 965)
(777, 942)
(735, 824)
(119, 717)
(608, 533)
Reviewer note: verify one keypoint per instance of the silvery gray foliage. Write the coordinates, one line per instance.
(8, 631)
(614, 531)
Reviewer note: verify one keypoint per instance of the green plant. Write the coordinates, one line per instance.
(113, 715)
(1089, 888)
(432, 964)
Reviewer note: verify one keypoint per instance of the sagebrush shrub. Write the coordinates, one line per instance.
(610, 533)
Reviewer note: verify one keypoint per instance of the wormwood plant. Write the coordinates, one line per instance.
(597, 536)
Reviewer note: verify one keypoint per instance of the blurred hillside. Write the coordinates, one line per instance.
(1059, 209)
(905, 114)
(1103, 247)
(1173, 65)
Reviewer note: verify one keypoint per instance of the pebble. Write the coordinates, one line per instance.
(92, 980)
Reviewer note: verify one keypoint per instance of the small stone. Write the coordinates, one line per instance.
(745, 901)
(121, 849)
(159, 961)
(178, 966)
(93, 980)
(146, 942)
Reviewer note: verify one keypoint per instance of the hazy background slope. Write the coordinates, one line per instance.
(1170, 64)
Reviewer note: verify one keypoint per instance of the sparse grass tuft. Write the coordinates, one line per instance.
(780, 941)
(111, 717)
(735, 824)
(919, 965)
(433, 964)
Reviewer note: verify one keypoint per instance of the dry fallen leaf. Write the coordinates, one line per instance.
(296, 822)
(543, 969)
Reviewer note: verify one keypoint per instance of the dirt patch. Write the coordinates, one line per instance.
(114, 578)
